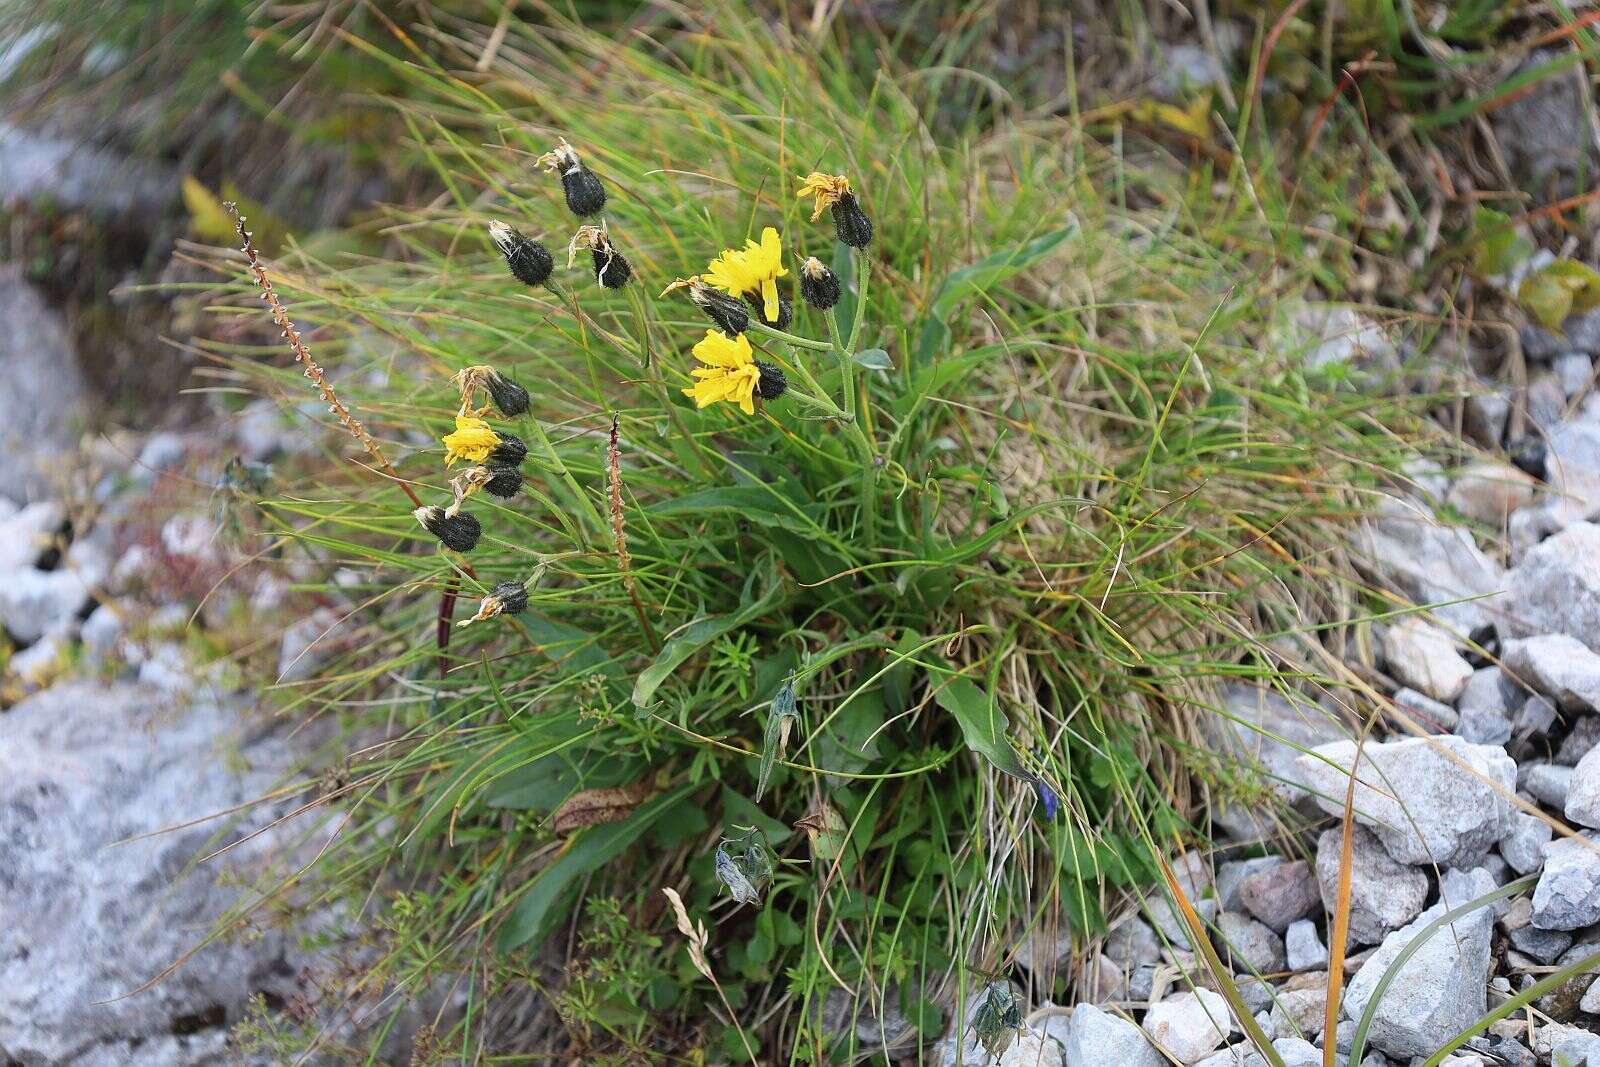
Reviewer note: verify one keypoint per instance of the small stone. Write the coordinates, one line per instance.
(1032, 1049)
(1188, 1026)
(1408, 551)
(1583, 798)
(1194, 879)
(1484, 418)
(1523, 847)
(33, 602)
(1438, 992)
(1423, 657)
(1560, 666)
(1229, 875)
(26, 533)
(1556, 588)
(1300, 1004)
(1303, 949)
(1280, 894)
(1568, 894)
(1384, 894)
(100, 633)
(1548, 783)
(1132, 943)
(1541, 946)
(1096, 1036)
(1252, 946)
(1432, 715)
(1262, 728)
(1450, 813)
(1535, 718)
(1488, 491)
(1296, 1052)
(43, 661)
(1591, 1000)
(1584, 736)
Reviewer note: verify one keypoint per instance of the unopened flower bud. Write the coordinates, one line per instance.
(725, 311)
(818, 284)
(585, 195)
(772, 383)
(503, 482)
(529, 261)
(785, 313)
(611, 268)
(850, 223)
(508, 396)
(458, 532)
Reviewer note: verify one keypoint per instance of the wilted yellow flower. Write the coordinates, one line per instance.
(751, 271)
(731, 373)
(829, 189)
(473, 440)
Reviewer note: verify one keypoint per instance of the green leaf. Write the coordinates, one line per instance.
(757, 504)
(694, 637)
(983, 725)
(874, 359)
(980, 277)
(1496, 245)
(546, 898)
(1563, 288)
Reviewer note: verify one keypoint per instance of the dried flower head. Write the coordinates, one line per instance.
(503, 482)
(730, 373)
(473, 441)
(507, 598)
(459, 532)
(832, 191)
(818, 284)
(752, 272)
(744, 865)
(585, 195)
(611, 269)
(507, 396)
(998, 1019)
(724, 310)
(529, 261)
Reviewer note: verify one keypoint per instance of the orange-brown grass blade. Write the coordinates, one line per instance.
(1219, 973)
(1339, 929)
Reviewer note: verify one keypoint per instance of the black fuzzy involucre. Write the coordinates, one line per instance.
(530, 262)
(821, 291)
(513, 597)
(727, 313)
(785, 312)
(510, 398)
(850, 223)
(772, 383)
(504, 482)
(585, 195)
(611, 269)
(459, 532)
(510, 452)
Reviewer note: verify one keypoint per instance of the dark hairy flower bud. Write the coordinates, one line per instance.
(725, 311)
(530, 262)
(850, 223)
(459, 532)
(772, 383)
(508, 396)
(611, 269)
(585, 195)
(507, 598)
(510, 452)
(818, 284)
(503, 482)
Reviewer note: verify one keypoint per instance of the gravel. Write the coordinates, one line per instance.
(1189, 1026)
(1384, 894)
(1556, 588)
(1408, 551)
(1253, 947)
(1303, 948)
(1279, 894)
(1562, 667)
(1549, 783)
(1423, 657)
(1523, 847)
(1568, 894)
(1450, 814)
(1583, 798)
(1093, 1035)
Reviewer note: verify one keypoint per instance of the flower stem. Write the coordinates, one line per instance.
(789, 338)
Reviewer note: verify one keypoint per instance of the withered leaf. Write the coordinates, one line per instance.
(591, 807)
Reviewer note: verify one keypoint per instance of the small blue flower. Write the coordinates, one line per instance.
(1047, 798)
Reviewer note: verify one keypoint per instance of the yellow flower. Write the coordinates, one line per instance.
(472, 441)
(829, 189)
(751, 270)
(731, 373)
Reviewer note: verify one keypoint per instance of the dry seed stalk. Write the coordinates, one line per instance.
(302, 355)
(614, 481)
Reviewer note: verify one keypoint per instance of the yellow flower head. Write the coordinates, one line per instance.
(829, 189)
(730, 373)
(472, 441)
(751, 270)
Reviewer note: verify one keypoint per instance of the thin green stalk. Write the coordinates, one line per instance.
(565, 474)
(1511, 1004)
(789, 338)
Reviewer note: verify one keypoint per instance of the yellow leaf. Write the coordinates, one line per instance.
(1563, 288)
(207, 218)
(1194, 120)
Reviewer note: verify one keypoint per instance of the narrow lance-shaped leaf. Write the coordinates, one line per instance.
(983, 725)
